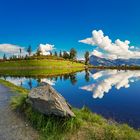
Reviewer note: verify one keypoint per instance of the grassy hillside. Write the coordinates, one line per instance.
(39, 72)
(48, 63)
(39, 67)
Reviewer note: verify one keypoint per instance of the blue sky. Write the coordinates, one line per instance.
(64, 22)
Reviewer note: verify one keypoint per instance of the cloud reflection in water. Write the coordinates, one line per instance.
(29, 82)
(107, 79)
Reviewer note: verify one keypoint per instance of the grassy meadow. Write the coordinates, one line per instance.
(47, 63)
(39, 72)
(39, 66)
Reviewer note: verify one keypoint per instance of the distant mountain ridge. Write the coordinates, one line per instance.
(97, 61)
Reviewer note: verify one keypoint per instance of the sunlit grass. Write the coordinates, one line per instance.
(86, 125)
(40, 63)
(41, 67)
(39, 72)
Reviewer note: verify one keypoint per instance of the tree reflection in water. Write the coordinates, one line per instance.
(30, 83)
(87, 75)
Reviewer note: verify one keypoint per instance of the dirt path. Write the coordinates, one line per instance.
(12, 126)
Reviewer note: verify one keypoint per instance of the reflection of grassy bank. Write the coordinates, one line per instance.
(41, 67)
(39, 72)
(86, 125)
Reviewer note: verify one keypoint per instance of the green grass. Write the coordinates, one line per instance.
(85, 126)
(46, 57)
(50, 128)
(40, 67)
(39, 72)
(48, 63)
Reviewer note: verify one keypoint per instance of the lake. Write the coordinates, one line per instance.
(111, 93)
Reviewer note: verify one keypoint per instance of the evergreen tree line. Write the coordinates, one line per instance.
(72, 54)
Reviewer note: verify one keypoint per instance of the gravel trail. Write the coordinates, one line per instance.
(12, 125)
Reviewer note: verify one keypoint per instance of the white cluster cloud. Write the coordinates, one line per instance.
(11, 49)
(45, 48)
(109, 78)
(110, 50)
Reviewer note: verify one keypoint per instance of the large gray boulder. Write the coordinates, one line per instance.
(48, 101)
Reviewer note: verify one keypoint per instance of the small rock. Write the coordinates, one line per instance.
(26, 125)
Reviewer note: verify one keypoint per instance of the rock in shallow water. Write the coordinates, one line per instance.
(48, 101)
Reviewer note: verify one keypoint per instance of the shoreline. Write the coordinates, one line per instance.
(85, 125)
(117, 68)
(39, 72)
(12, 124)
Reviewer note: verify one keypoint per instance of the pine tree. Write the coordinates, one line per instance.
(55, 53)
(20, 50)
(29, 50)
(50, 53)
(4, 57)
(60, 54)
(66, 55)
(73, 53)
(38, 52)
(86, 57)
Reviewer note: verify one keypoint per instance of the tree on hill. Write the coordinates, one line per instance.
(73, 53)
(66, 55)
(50, 53)
(86, 57)
(14, 57)
(10, 58)
(60, 54)
(55, 53)
(20, 50)
(29, 50)
(4, 57)
(26, 57)
(38, 53)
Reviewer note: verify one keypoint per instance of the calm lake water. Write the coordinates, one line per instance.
(111, 93)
